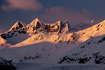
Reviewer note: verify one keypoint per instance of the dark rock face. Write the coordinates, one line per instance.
(100, 41)
(20, 25)
(84, 60)
(13, 29)
(10, 34)
(77, 60)
(38, 25)
(66, 59)
(6, 65)
(97, 57)
(52, 28)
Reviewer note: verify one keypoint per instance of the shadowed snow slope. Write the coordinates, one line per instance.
(43, 52)
(91, 51)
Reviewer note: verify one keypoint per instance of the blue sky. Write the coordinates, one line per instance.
(50, 11)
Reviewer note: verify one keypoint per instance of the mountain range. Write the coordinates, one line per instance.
(55, 43)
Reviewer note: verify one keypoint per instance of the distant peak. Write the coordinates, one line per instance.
(66, 21)
(92, 21)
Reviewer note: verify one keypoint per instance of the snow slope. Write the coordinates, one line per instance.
(91, 51)
(43, 52)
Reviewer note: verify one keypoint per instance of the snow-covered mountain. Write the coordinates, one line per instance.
(40, 42)
(16, 33)
(80, 26)
(91, 51)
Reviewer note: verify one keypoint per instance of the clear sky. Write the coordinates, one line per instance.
(50, 11)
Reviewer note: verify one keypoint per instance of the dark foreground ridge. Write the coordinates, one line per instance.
(6, 65)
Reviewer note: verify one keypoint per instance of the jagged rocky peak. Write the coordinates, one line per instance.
(65, 27)
(36, 26)
(53, 27)
(17, 26)
(59, 27)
